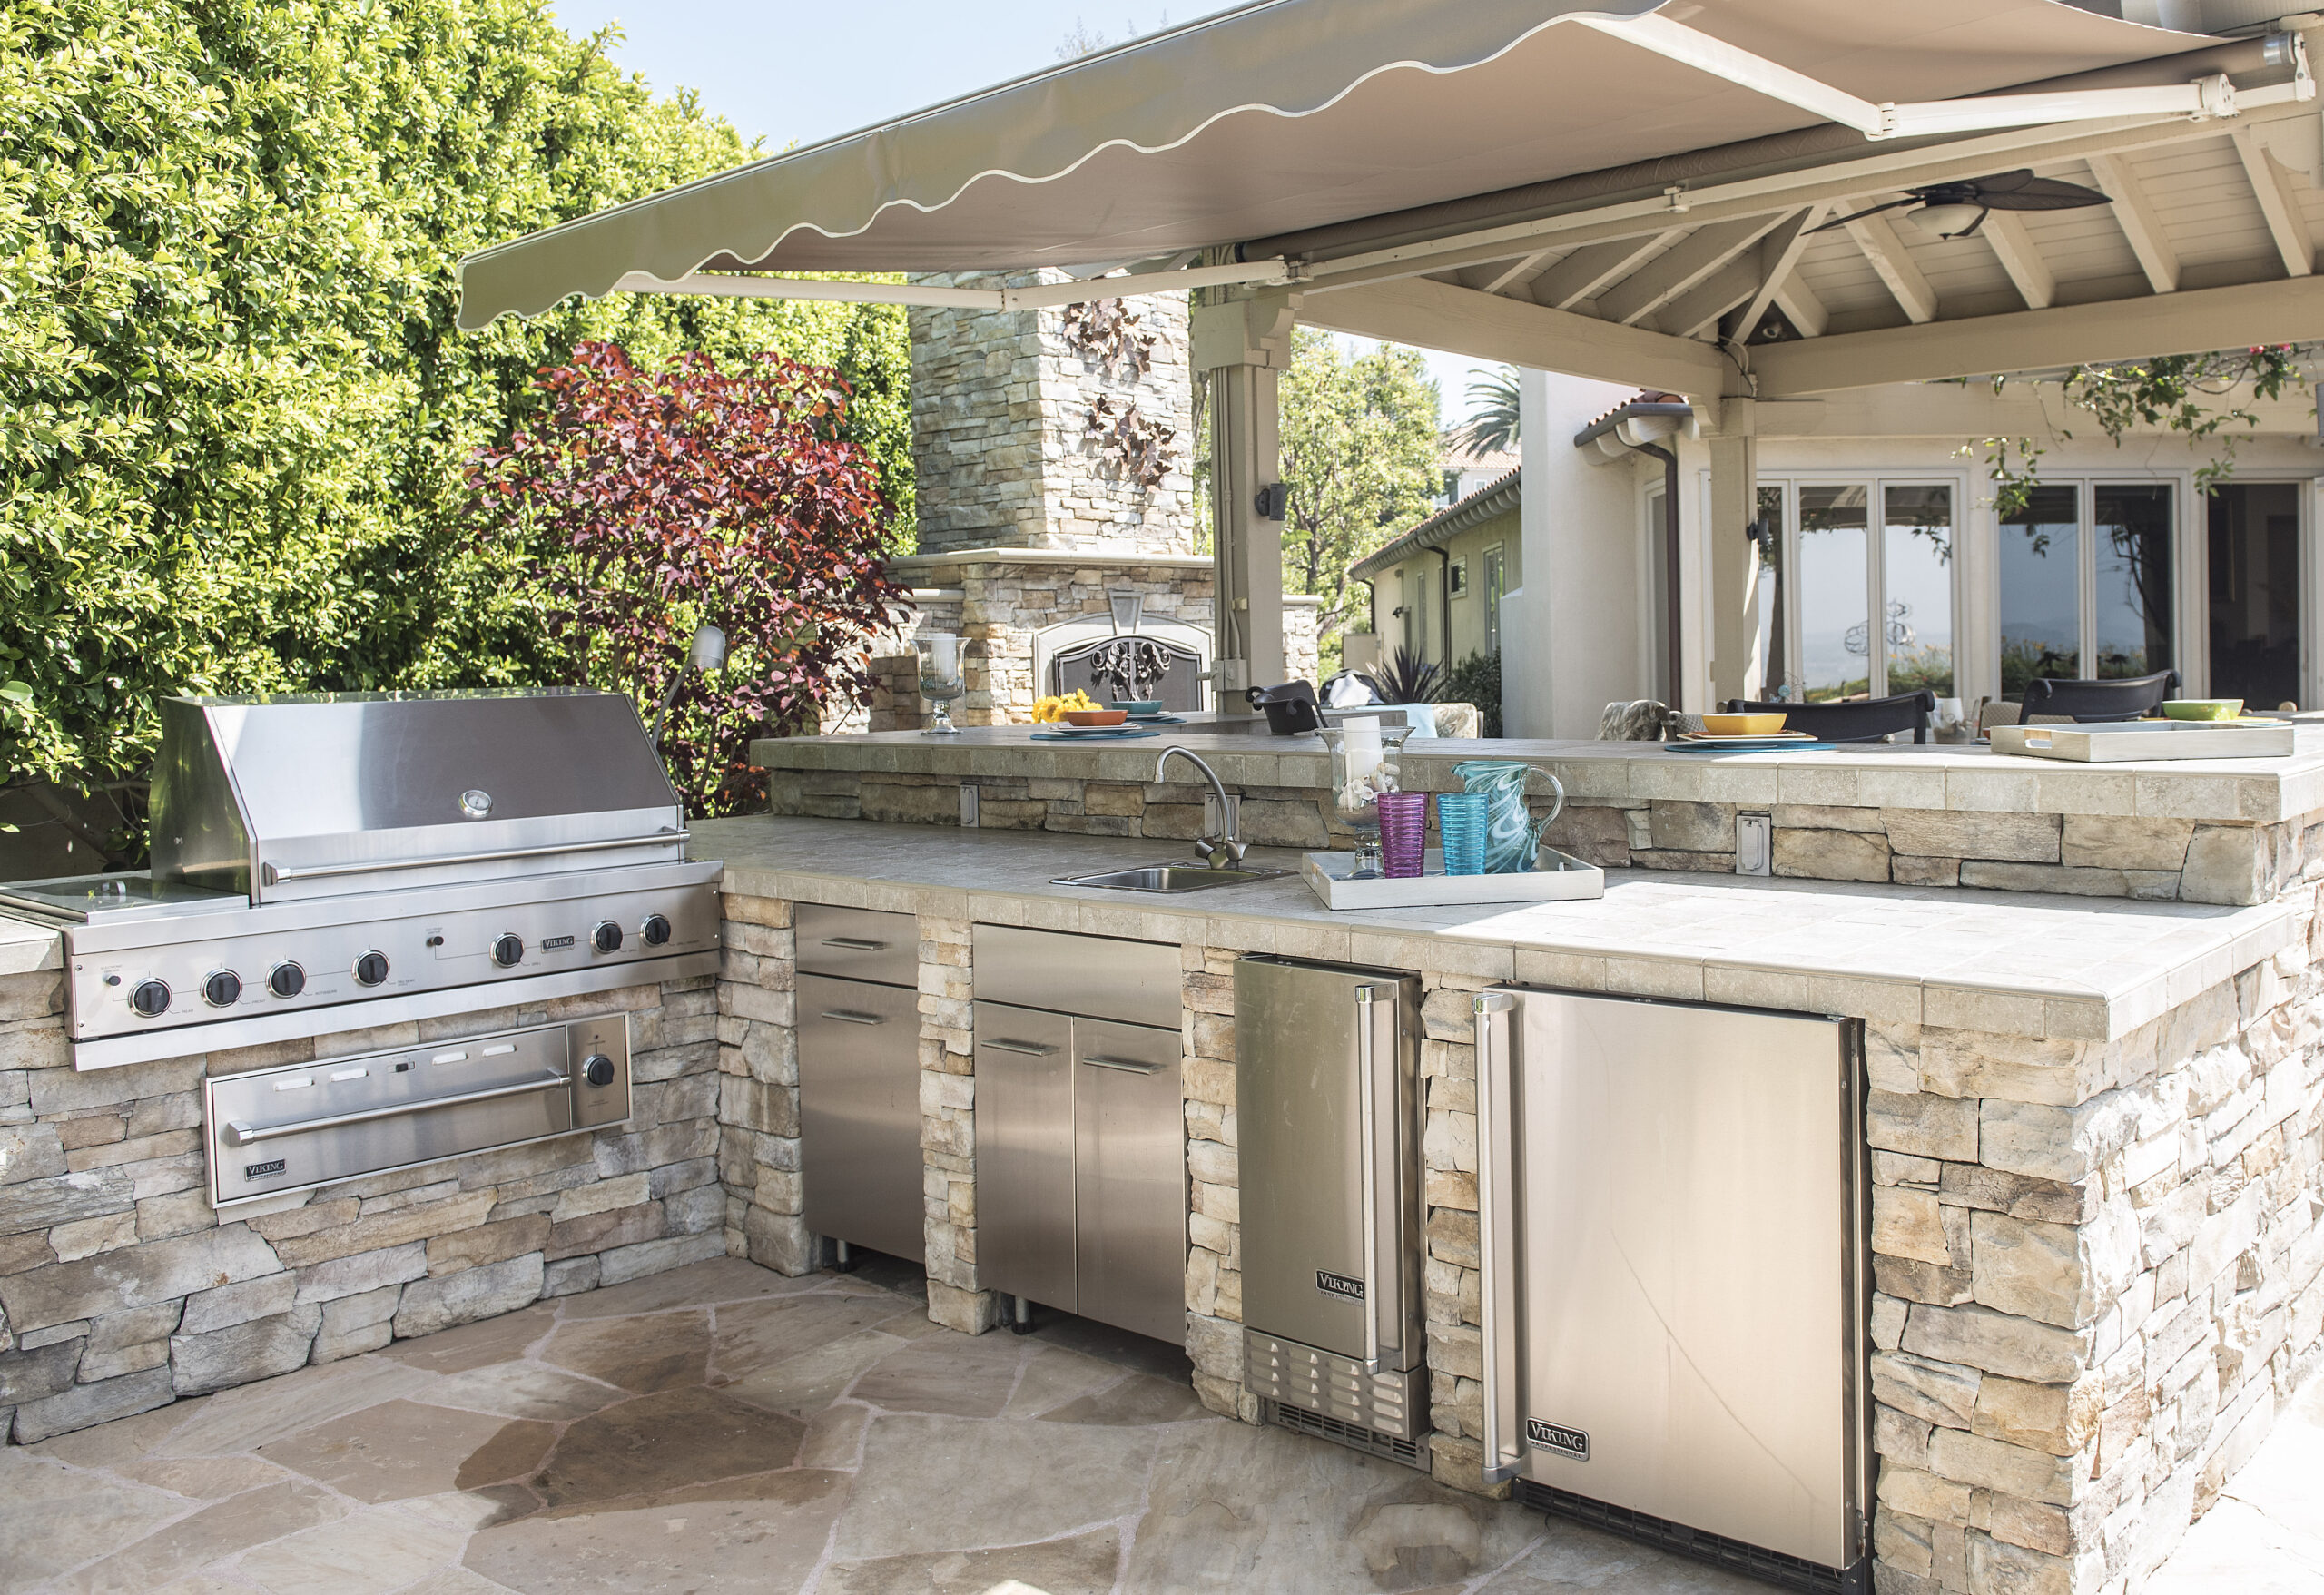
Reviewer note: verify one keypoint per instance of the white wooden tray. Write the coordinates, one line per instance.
(2108, 742)
(1559, 877)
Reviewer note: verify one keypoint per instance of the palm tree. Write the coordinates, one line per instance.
(1492, 426)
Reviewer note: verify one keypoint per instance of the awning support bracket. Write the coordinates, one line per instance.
(2202, 98)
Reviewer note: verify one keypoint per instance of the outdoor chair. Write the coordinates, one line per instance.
(2099, 700)
(1855, 720)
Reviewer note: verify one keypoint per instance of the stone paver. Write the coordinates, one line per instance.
(2265, 1534)
(724, 1428)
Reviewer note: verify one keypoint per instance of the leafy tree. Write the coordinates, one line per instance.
(1493, 416)
(648, 503)
(1359, 455)
(234, 407)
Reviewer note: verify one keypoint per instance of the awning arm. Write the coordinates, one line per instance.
(1117, 285)
(2204, 97)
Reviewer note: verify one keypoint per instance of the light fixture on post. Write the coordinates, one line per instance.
(706, 653)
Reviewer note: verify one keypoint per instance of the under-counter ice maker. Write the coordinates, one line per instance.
(1674, 1234)
(1328, 1115)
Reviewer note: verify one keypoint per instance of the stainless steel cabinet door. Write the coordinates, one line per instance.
(1688, 1239)
(1025, 1193)
(1129, 1177)
(859, 1113)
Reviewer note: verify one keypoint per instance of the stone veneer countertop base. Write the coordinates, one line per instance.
(2087, 969)
(1893, 776)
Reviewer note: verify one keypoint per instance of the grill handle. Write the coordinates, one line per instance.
(250, 1135)
(274, 875)
(1503, 1437)
(848, 1015)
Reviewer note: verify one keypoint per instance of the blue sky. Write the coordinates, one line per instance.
(794, 73)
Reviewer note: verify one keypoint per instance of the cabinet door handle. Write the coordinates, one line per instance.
(1367, 1164)
(846, 1017)
(1030, 1049)
(1505, 1448)
(855, 944)
(1128, 1065)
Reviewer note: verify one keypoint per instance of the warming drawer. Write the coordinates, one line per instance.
(299, 1126)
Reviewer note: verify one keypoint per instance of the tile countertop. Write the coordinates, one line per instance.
(2090, 969)
(1892, 775)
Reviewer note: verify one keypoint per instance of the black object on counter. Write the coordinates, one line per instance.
(1291, 709)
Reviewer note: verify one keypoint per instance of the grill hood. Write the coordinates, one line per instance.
(299, 796)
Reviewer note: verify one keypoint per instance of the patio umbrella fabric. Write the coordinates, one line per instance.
(1280, 116)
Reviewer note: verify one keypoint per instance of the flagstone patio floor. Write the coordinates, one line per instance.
(724, 1428)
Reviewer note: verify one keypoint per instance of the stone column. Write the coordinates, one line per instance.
(1213, 1205)
(948, 1128)
(758, 1062)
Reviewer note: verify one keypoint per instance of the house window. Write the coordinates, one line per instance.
(1496, 584)
(1873, 613)
(1459, 578)
(2086, 584)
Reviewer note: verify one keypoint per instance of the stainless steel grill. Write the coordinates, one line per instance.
(332, 863)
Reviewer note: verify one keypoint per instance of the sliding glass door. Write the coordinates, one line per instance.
(2086, 584)
(1870, 616)
(2253, 559)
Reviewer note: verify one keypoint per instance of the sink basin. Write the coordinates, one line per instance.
(1168, 878)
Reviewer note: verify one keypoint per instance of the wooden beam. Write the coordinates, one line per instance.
(1802, 308)
(1779, 254)
(1699, 309)
(2142, 229)
(1886, 251)
(2271, 186)
(2193, 321)
(1679, 268)
(1510, 272)
(2014, 247)
(1581, 274)
(1493, 327)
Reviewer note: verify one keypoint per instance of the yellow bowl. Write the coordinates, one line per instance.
(1743, 724)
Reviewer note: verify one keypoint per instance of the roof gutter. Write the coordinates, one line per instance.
(1622, 426)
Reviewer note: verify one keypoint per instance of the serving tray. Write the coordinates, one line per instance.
(2110, 742)
(1561, 877)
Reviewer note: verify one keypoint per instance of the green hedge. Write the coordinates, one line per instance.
(234, 407)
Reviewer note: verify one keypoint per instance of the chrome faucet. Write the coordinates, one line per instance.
(1223, 852)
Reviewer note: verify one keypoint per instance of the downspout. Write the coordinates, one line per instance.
(1672, 564)
(1444, 604)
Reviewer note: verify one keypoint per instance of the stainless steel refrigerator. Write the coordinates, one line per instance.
(1674, 1234)
(1328, 1110)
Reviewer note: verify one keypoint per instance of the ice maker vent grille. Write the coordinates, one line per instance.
(1771, 1565)
(1396, 1449)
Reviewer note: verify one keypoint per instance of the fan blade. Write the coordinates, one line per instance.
(2021, 191)
(1911, 199)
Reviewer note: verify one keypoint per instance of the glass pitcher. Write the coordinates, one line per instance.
(1511, 836)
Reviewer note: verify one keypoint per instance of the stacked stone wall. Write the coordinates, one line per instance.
(758, 1063)
(122, 1290)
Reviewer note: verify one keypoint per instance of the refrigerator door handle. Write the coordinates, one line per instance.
(1367, 1086)
(1502, 1441)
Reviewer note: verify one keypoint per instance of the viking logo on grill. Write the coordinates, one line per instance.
(261, 1170)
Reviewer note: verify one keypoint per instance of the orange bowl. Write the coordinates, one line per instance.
(1096, 716)
(1743, 724)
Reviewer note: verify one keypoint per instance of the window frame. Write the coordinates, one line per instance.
(2189, 576)
(1875, 481)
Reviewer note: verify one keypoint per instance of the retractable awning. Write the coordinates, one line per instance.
(1291, 116)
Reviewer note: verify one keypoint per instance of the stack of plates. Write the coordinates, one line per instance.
(1061, 731)
(1774, 741)
(1158, 718)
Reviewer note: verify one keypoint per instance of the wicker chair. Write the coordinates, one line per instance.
(1855, 720)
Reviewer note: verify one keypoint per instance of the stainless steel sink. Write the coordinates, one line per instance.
(1168, 878)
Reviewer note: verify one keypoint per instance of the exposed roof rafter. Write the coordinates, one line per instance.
(1678, 268)
(1888, 257)
(2271, 186)
(1779, 254)
(2142, 229)
(1594, 266)
(2021, 256)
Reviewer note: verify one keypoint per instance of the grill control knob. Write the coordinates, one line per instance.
(221, 989)
(371, 968)
(656, 929)
(509, 950)
(287, 980)
(150, 998)
(598, 1070)
(606, 937)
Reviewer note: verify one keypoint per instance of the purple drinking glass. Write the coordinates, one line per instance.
(1404, 834)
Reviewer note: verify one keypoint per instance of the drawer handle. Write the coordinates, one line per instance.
(1030, 1049)
(847, 1017)
(855, 944)
(239, 1134)
(1128, 1065)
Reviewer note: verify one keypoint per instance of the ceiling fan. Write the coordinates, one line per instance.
(1956, 209)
